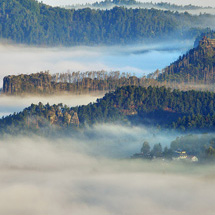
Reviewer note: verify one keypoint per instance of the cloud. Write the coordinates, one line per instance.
(139, 58)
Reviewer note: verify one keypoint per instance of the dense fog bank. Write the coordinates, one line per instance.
(41, 176)
(140, 59)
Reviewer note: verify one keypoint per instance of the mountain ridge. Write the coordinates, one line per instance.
(154, 106)
(33, 23)
(107, 4)
(196, 66)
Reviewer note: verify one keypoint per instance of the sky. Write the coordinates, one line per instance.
(194, 2)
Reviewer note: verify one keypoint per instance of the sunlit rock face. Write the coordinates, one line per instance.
(34, 83)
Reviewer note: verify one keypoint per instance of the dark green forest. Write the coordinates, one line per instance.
(30, 22)
(166, 108)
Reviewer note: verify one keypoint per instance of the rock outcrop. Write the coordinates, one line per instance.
(195, 67)
(40, 116)
(44, 83)
(34, 83)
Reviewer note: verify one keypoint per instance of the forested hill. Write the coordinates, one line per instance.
(71, 82)
(30, 22)
(133, 3)
(108, 4)
(197, 66)
(155, 106)
(44, 83)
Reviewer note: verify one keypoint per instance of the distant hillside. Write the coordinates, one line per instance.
(152, 106)
(197, 66)
(30, 22)
(108, 4)
(75, 82)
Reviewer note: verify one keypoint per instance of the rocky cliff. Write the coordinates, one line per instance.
(44, 83)
(41, 117)
(197, 66)
(59, 116)
(34, 83)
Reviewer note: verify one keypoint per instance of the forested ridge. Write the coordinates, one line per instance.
(71, 82)
(130, 3)
(175, 109)
(30, 22)
(44, 83)
(197, 66)
(107, 4)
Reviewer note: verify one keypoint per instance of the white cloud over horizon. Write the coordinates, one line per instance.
(210, 3)
(140, 59)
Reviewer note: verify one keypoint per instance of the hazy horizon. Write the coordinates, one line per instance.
(140, 59)
(206, 3)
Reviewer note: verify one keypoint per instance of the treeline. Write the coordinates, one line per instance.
(195, 121)
(195, 67)
(30, 22)
(208, 33)
(72, 82)
(153, 105)
(73, 77)
(151, 99)
(130, 3)
(47, 119)
(86, 82)
(40, 118)
(158, 106)
(202, 146)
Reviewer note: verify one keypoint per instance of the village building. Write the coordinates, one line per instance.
(182, 155)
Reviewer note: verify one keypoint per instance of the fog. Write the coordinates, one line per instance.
(140, 59)
(208, 7)
(120, 141)
(199, 11)
(90, 172)
(41, 176)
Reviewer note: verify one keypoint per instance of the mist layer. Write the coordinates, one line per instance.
(139, 59)
(41, 176)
